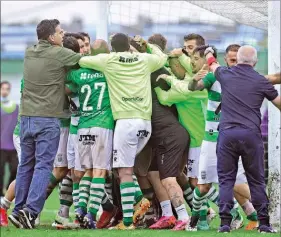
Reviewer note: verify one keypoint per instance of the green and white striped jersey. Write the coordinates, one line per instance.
(214, 99)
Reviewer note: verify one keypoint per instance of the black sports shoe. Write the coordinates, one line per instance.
(266, 229)
(27, 219)
(224, 229)
(15, 220)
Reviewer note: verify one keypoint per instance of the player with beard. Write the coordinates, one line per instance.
(87, 44)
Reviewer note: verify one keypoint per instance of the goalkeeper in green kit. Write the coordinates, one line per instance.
(128, 78)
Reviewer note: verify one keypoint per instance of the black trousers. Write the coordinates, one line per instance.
(10, 157)
(248, 144)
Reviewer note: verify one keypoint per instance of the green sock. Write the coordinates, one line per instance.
(52, 184)
(84, 192)
(253, 216)
(127, 190)
(66, 191)
(65, 195)
(197, 202)
(204, 211)
(138, 192)
(96, 195)
(235, 210)
(75, 195)
(187, 194)
(213, 195)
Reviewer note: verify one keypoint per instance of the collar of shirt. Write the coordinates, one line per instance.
(243, 65)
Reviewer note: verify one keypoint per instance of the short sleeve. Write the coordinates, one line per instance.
(209, 80)
(268, 89)
(219, 73)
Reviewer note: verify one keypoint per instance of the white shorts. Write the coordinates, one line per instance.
(73, 159)
(193, 162)
(16, 140)
(95, 148)
(130, 137)
(61, 156)
(208, 165)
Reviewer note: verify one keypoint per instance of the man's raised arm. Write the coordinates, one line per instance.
(68, 58)
(97, 62)
(157, 59)
(274, 78)
(211, 59)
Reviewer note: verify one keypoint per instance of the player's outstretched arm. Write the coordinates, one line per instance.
(197, 82)
(97, 62)
(274, 78)
(184, 60)
(210, 54)
(179, 91)
(68, 57)
(157, 59)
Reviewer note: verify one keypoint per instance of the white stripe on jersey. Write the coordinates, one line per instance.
(212, 105)
(211, 126)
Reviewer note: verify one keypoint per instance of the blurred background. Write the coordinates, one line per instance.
(220, 22)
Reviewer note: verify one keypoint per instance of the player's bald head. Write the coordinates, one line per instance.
(177, 69)
(100, 46)
(247, 55)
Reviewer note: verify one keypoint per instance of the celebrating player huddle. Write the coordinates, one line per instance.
(141, 139)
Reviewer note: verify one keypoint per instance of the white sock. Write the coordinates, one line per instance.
(5, 203)
(166, 208)
(248, 208)
(182, 213)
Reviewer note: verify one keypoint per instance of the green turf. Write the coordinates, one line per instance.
(49, 213)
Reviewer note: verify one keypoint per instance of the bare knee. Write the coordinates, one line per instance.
(193, 182)
(99, 173)
(125, 174)
(204, 188)
(169, 182)
(77, 176)
(60, 172)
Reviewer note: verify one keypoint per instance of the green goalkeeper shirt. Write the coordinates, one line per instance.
(191, 105)
(128, 78)
(95, 108)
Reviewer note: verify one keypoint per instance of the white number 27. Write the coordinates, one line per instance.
(89, 91)
(102, 85)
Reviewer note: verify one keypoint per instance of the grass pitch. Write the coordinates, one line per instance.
(52, 205)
